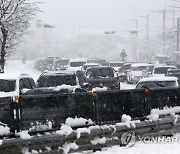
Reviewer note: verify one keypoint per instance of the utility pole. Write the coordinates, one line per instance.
(163, 12)
(164, 29)
(147, 34)
(135, 32)
(177, 35)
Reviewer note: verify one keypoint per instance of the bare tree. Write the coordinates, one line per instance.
(15, 16)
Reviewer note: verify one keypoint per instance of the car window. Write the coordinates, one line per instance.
(25, 83)
(139, 68)
(77, 64)
(101, 72)
(161, 70)
(156, 84)
(56, 80)
(7, 85)
(32, 82)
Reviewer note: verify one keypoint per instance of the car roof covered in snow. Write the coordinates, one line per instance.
(89, 64)
(168, 66)
(139, 64)
(78, 60)
(99, 67)
(162, 78)
(63, 72)
(9, 76)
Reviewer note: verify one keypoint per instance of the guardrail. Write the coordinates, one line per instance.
(97, 138)
(103, 107)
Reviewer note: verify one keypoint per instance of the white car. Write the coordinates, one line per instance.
(136, 71)
(161, 70)
(116, 65)
(12, 85)
(157, 82)
(76, 64)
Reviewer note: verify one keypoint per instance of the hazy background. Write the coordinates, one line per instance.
(80, 26)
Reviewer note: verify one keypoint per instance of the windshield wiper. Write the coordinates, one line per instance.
(144, 87)
(159, 85)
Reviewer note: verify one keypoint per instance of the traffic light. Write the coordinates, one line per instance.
(110, 32)
(49, 26)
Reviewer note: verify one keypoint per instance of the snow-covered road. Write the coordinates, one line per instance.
(16, 66)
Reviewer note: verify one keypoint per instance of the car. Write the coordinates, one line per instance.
(39, 64)
(103, 76)
(116, 65)
(148, 71)
(123, 71)
(87, 65)
(45, 63)
(161, 70)
(60, 64)
(135, 73)
(15, 84)
(157, 82)
(173, 72)
(76, 64)
(53, 82)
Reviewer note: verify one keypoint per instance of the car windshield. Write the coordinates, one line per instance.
(101, 72)
(86, 66)
(139, 68)
(76, 64)
(161, 70)
(7, 85)
(62, 62)
(115, 64)
(174, 71)
(53, 81)
(156, 84)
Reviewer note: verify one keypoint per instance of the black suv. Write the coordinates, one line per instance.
(103, 76)
(60, 82)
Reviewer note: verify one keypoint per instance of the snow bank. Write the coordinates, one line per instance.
(67, 146)
(78, 122)
(82, 130)
(126, 121)
(94, 127)
(65, 130)
(153, 117)
(166, 110)
(4, 130)
(125, 118)
(98, 140)
(23, 135)
(38, 126)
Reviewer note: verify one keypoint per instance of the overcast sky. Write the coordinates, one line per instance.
(71, 15)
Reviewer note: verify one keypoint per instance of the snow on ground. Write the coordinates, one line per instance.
(16, 67)
(144, 148)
